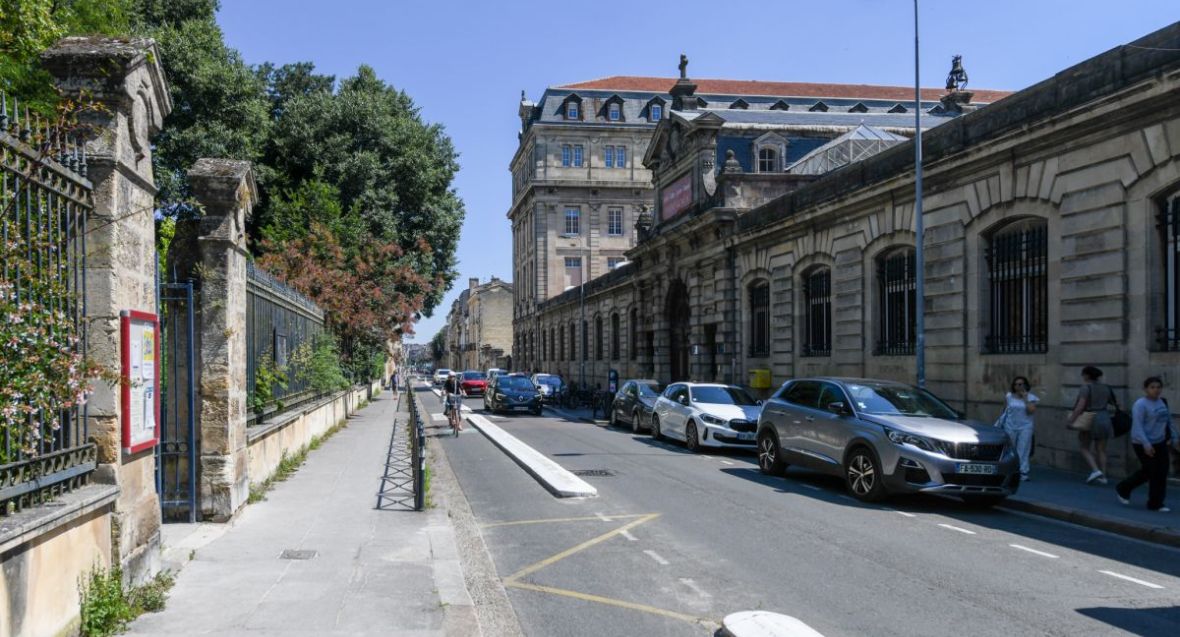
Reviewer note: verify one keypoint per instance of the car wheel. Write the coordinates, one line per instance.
(863, 474)
(983, 501)
(612, 422)
(655, 428)
(635, 422)
(691, 440)
(770, 457)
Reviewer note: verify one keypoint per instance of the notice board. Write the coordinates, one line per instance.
(140, 382)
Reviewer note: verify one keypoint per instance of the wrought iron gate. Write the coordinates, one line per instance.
(176, 455)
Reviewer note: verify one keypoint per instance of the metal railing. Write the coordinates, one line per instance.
(45, 200)
(279, 322)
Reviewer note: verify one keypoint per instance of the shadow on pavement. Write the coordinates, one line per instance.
(1148, 622)
(831, 489)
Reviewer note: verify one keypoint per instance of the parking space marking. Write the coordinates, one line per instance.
(597, 518)
(627, 534)
(601, 516)
(656, 556)
(693, 585)
(533, 568)
(1131, 579)
(587, 597)
(959, 529)
(727, 462)
(1033, 551)
(810, 486)
(902, 513)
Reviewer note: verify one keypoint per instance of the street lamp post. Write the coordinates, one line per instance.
(582, 268)
(919, 225)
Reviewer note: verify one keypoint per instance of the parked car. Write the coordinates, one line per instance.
(885, 437)
(494, 372)
(706, 415)
(634, 403)
(473, 382)
(512, 392)
(440, 375)
(549, 386)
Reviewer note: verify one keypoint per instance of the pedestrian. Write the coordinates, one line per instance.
(1151, 431)
(1017, 420)
(1091, 419)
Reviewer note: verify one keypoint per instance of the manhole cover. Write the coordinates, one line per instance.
(294, 554)
(594, 473)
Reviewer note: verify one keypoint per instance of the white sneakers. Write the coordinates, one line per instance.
(1122, 500)
(1096, 476)
(1164, 510)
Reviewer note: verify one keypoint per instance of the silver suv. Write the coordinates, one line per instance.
(884, 437)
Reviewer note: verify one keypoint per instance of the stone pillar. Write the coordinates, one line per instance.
(126, 82)
(226, 190)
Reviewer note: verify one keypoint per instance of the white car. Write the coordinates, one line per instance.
(440, 375)
(706, 415)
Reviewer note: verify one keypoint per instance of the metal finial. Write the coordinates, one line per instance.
(3, 111)
(82, 160)
(25, 131)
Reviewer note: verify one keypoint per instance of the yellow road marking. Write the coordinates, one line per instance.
(533, 568)
(543, 521)
(611, 602)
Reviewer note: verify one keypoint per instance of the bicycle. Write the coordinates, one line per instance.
(455, 412)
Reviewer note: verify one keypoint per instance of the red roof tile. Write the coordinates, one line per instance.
(777, 89)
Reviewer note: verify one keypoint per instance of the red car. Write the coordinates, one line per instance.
(474, 383)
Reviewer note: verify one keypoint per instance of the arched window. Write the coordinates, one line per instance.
(817, 312)
(1168, 321)
(759, 299)
(767, 160)
(897, 297)
(614, 336)
(1018, 288)
(597, 338)
(552, 346)
(633, 330)
(585, 340)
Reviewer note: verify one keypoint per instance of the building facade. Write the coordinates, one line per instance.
(580, 185)
(1051, 223)
(479, 327)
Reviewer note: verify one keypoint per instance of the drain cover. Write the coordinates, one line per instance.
(596, 473)
(297, 554)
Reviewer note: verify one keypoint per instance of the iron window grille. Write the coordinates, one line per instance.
(614, 226)
(573, 342)
(598, 338)
(585, 340)
(817, 304)
(633, 326)
(760, 319)
(1169, 226)
(897, 308)
(614, 336)
(1018, 289)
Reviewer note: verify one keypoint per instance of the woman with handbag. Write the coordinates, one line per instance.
(1151, 431)
(1017, 420)
(1091, 419)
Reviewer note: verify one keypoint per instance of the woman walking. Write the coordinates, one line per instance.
(1091, 419)
(1020, 403)
(1151, 430)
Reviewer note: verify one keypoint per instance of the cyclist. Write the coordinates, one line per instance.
(453, 393)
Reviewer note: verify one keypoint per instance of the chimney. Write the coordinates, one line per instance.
(472, 282)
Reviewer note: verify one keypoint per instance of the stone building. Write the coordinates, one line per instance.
(479, 327)
(579, 186)
(1051, 220)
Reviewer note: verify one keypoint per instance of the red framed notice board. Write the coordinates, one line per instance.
(140, 336)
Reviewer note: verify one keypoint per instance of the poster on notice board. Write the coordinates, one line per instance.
(140, 332)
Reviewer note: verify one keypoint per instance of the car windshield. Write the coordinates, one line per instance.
(549, 380)
(515, 383)
(650, 391)
(898, 400)
(473, 376)
(722, 396)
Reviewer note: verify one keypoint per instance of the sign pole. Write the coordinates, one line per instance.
(919, 225)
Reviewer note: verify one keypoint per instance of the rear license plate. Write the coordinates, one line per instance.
(980, 469)
(746, 436)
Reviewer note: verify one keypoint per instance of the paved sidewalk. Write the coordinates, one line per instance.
(374, 572)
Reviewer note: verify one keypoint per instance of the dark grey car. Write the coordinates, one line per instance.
(884, 437)
(633, 404)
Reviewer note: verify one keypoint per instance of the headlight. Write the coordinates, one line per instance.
(499, 396)
(902, 438)
(712, 420)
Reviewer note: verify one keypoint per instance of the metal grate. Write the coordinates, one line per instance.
(817, 303)
(297, 554)
(1169, 225)
(594, 473)
(897, 285)
(1017, 260)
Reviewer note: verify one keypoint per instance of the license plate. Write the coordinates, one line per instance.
(746, 436)
(982, 469)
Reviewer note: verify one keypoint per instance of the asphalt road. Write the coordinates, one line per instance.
(706, 535)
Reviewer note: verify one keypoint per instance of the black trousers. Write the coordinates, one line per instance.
(1153, 471)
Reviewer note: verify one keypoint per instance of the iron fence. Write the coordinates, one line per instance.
(45, 200)
(280, 324)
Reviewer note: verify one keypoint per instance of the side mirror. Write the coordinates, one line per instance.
(759, 401)
(683, 400)
(839, 408)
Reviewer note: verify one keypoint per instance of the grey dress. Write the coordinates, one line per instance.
(1100, 396)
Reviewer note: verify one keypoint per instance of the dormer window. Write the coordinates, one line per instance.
(740, 104)
(571, 110)
(770, 152)
(819, 107)
(859, 107)
(571, 107)
(657, 112)
(767, 160)
(614, 112)
(780, 106)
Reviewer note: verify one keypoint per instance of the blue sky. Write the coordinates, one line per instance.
(465, 63)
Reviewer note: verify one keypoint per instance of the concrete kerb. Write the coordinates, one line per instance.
(1158, 535)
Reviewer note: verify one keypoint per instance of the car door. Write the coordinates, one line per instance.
(799, 402)
(664, 404)
(620, 407)
(681, 411)
(829, 430)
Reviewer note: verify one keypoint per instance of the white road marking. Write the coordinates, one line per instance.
(693, 585)
(908, 515)
(602, 517)
(959, 529)
(627, 534)
(656, 556)
(810, 486)
(438, 417)
(1131, 579)
(1033, 551)
(726, 462)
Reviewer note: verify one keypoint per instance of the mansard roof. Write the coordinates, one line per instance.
(776, 89)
